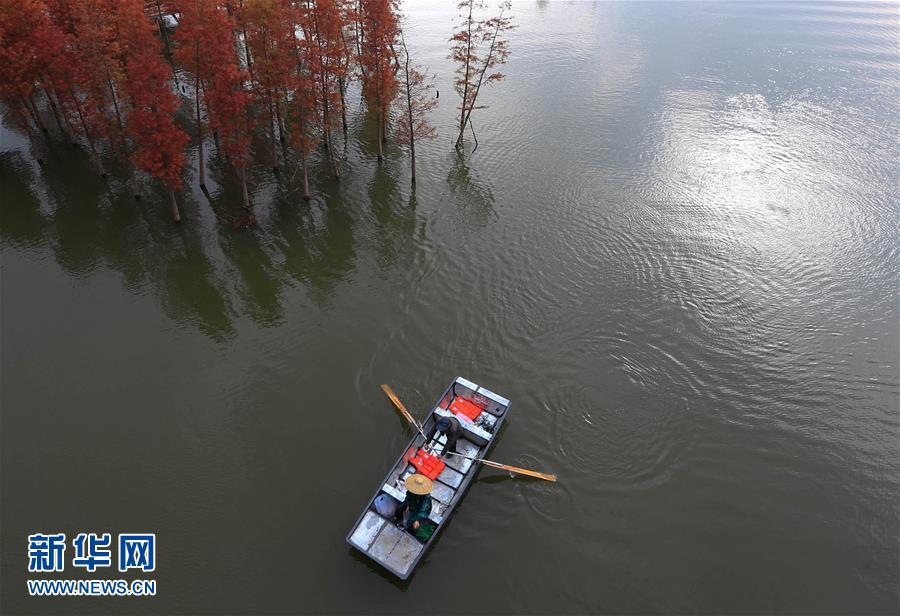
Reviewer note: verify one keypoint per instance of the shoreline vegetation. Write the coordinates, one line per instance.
(113, 78)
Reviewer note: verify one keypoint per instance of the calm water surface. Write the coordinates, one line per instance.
(675, 250)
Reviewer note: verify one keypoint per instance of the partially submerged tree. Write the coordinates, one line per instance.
(418, 102)
(270, 37)
(45, 45)
(303, 114)
(84, 71)
(206, 48)
(378, 61)
(196, 32)
(20, 65)
(349, 21)
(230, 118)
(478, 47)
(159, 142)
(325, 63)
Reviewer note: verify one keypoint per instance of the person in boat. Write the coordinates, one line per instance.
(417, 504)
(450, 427)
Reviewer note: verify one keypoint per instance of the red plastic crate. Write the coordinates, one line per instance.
(427, 464)
(469, 409)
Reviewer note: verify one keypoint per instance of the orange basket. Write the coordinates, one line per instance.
(467, 408)
(429, 465)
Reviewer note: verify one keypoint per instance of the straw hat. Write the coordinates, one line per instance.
(418, 484)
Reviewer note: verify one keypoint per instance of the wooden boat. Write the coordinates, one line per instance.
(395, 548)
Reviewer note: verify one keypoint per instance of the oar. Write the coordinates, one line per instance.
(402, 409)
(506, 467)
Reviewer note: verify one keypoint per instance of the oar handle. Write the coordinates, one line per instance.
(462, 455)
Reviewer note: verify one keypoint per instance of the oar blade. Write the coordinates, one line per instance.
(522, 471)
(399, 405)
(390, 394)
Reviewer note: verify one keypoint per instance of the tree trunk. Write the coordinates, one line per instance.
(176, 215)
(465, 96)
(410, 118)
(132, 175)
(412, 138)
(359, 30)
(380, 140)
(123, 143)
(87, 135)
(281, 130)
(165, 37)
(135, 191)
(201, 167)
(342, 87)
(378, 120)
(326, 121)
(55, 111)
(72, 133)
(305, 180)
(244, 194)
(115, 101)
(162, 29)
(71, 130)
(326, 134)
(35, 151)
(335, 167)
(273, 137)
(32, 108)
(247, 55)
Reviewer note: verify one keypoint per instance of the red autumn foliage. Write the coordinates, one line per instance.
(31, 50)
(331, 50)
(20, 63)
(98, 66)
(417, 103)
(229, 113)
(206, 48)
(323, 32)
(478, 47)
(304, 104)
(378, 62)
(158, 140)
(270, 39)
(205, 34)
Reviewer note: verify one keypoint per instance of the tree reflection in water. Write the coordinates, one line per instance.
(225, 262)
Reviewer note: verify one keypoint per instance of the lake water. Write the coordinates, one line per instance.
(675, 250)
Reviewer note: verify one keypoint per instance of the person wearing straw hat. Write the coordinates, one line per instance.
(417, 503)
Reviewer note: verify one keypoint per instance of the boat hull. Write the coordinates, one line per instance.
(395, 548)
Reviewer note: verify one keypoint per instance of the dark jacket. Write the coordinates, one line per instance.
(453, 433)
(418, 505)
